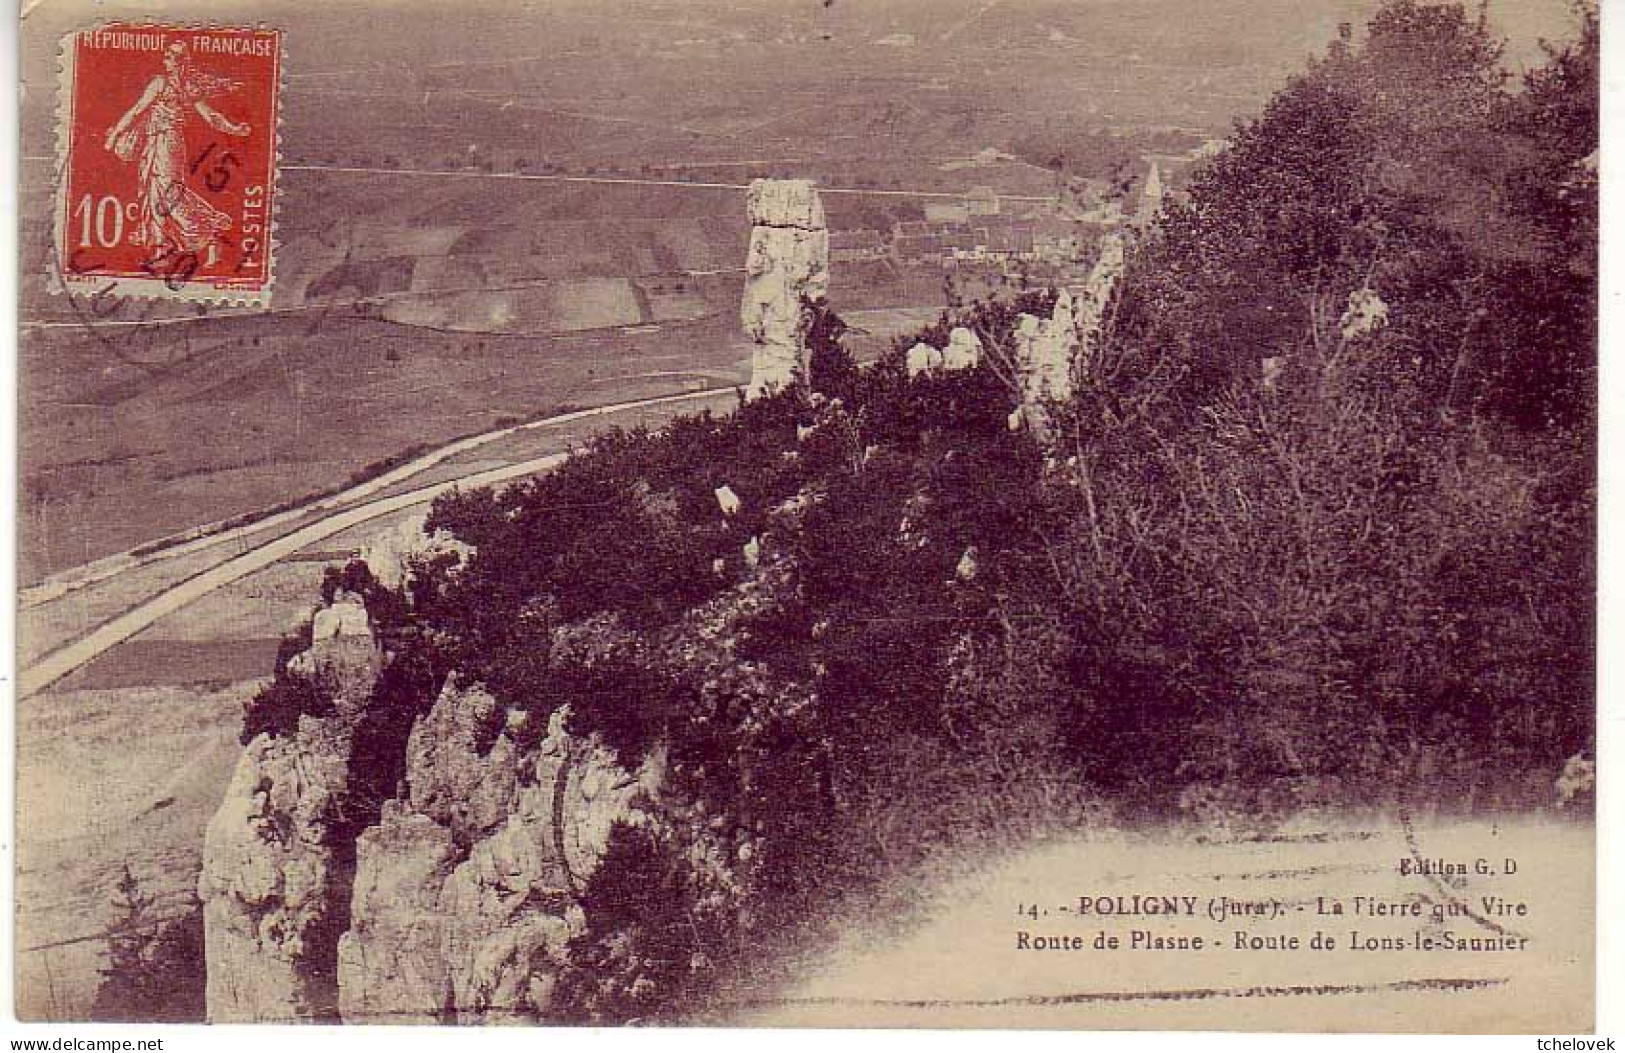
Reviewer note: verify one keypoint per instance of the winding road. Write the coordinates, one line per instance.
(345, 513)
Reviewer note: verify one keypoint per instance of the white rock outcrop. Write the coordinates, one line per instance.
(922, 358)
(363, 870)
(1577, 784)
(391, 964)
(271, 877)
(1051, 353)
(464, 902)
(343, 617)
(788, 259)
(964, 350)
(1045, 350)
(392, 554)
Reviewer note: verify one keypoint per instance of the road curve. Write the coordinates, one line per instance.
(211, 534)
(61, 662)
(64, 660)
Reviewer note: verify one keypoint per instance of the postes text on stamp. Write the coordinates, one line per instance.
(168, 153)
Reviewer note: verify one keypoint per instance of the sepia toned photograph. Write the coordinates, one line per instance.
(1044, 514)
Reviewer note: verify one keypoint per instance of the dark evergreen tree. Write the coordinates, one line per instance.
(155, 970)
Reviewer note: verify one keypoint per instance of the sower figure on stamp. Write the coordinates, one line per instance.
(153, 133)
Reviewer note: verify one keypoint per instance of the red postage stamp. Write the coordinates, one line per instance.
(168, 155)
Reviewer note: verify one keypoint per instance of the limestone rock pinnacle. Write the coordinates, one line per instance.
(788, 260)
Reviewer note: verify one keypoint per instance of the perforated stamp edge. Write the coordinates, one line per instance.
(196, 291)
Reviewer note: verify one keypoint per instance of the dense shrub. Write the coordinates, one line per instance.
(646, 938)
(1375, 566)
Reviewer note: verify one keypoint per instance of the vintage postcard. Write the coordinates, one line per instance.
(901, 513)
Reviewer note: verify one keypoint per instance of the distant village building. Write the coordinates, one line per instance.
(998, 239)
